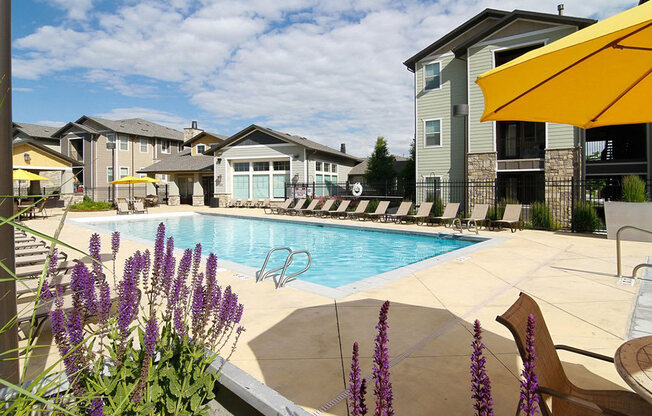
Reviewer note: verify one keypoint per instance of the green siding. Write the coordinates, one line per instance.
(446, 161)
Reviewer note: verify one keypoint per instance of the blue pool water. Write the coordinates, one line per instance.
(339, 255)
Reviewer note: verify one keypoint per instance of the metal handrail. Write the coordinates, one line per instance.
(639, 267)
(283, 280)
(618, 257)
(261, 274)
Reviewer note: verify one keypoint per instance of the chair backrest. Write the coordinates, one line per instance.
(123, 207)
(265, 202)
(451, 209)
(382, 207)
(119, 200)
(312, 204)
(41, 205)
(479, 211)
(404, 208)
(548, 366)
(512, 212)
(255, 201)
(343, 205)
(327, 205)
(286, 204)
(299, 204)
(138, 206)
(424, 209)
(362, 206)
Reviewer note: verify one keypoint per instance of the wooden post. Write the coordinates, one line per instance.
(9, 339)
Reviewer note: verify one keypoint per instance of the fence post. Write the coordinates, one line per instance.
(573, 205)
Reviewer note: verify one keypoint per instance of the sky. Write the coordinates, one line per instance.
(329, 70)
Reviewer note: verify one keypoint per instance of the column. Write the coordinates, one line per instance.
(150, 189)
(197, 191)
(173, 192)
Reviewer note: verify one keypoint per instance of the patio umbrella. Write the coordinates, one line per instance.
(129, 180)
(597, 76)
(23, 175)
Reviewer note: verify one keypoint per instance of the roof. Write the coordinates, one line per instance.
(580, 22)
(36, 130)
(361, 168)
(132, 126)
(301, 141)
(198, 136)
(483, 15)
(181, 162)
(46, 149)
(504, 18)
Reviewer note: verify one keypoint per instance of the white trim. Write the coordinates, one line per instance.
(251, 173)
(423, 75)
(140, 144)
(434, 58)
(43, 167)
(119, 142)
(259, 157)
(416, 115)
(155, 148)
(305, 166)
(441, 134)
(520, 170)
(468, 118)
(169, 147)
(545, 135)
(120, 171)
(254, 146)
(484, 42)
(112, 174)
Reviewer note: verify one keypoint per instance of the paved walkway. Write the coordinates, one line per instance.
(293, 337)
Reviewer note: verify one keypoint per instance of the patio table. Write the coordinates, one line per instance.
(29, 213)
(633, 361)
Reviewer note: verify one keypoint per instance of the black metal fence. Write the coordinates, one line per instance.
(554, 201)
(109, 193)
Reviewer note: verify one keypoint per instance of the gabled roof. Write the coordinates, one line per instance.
(46, 149)
(181, 162)
(301, 141)
(450, 36)
(132, 126)
(218, 137)
(74, 126)
(580, 22)
(361, 168)
(36, 130)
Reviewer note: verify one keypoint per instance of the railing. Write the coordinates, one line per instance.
(281, 279)
(618, 255)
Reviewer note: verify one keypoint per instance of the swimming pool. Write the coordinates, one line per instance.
(340, 255)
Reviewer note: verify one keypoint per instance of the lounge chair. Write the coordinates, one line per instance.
(566, 398)
(122, 208)
(299, 209)
(296, 207)
(402, 212)
(139, 207)
(24, 239)
(41, 209)
(422, 213)
(264, 203)
(35, 259)
(341, 209)
(511, 217)
(477, 219)
(36, 269)
(32, 251)
(277, 209)
(29, 244)
(379, 214)
(359, 210)
(448, 216)
(324, 209)
(253, 203)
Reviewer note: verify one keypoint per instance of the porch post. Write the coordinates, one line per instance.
(173, 192)
(197, 191)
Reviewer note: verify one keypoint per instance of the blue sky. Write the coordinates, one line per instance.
(330, 70)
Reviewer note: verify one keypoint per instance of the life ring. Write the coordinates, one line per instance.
(357, 189)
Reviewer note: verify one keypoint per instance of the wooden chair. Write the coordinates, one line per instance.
(511, 217)
(566, 398)
(278, 209)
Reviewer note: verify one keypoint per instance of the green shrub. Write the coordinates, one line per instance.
(90, 205)
(373, 204)
(496, 212)
(585, 218)
(541, 217)
(634, 189)
(87, 198)
(438, 208)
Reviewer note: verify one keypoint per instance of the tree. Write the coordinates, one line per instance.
(408, 172)
(380, 165)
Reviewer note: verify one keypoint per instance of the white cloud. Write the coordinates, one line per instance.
(51, 123)
(157, 116)
(76, 9)
(328, 70)
(22, 89)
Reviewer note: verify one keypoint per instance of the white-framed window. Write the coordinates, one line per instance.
(124, 142)
(241, 167)
(124, 171)
(318, 166)
(333, 167)
(201, 148)
(165, 146)
(144, 143)
(432, 133)
(260, 179)
(282, 165)
(109, 174)
(110, 138)
(261, 166)
(431, 76)
(142, 175)
(433, 188)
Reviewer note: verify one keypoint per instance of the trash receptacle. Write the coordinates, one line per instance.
(215, 202)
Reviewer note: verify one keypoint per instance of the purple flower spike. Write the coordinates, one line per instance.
(115, 244)
(383, 387)
(53, 267)
(159, 256)
(530, 383)
(145, 266)
(104, 307)
(196, 259)
(97, 408)
(127, 303)
(179, 325)
(480, 383)
(149, 341)
(82, 284)
(168, 266)
(94, 247)
(198, 305)
(356, 397)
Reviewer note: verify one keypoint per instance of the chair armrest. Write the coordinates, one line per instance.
(584, 352)
(579, 402)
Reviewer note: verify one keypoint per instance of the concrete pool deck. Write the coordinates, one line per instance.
(292, 342)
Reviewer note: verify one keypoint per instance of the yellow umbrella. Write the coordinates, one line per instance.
(23, 175)
(597, 76)
(126, 180)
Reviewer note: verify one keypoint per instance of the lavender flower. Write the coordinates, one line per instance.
(127, 304)
(480, 383)
(159, 256)
(97, 407)
(115, 244)
(94, 247)
(168, 266)
(145, 266)
(530, 383)
(177, 292)
(383, 387)
(356, 400)
(198, 306)
(82, 284)
(53, 267)
(149, 341)
(196, 259)
(179, 322)
(46, 292)
(104, 305)
(363, 393)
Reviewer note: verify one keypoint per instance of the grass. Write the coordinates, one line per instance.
(89, 205)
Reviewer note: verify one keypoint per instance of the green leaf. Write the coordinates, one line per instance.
(195, 401)
(170, 404)
(175, 387)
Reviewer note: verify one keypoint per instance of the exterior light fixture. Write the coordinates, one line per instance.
(27, 157)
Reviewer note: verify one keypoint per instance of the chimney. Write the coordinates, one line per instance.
(194, 124)
(192, 131)
(560, 9)
(343, 148)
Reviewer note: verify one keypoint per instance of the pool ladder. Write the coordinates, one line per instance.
(280, 279)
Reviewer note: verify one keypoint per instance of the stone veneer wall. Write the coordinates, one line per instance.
(561, 167)
(482, 168)
(223, 198)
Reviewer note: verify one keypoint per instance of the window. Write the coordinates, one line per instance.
(110, 138)
(261, 166)
(124, 142)
(261, 186)
(319, 185)
(144, 142)
(165, 146)
(109, 174)
(327, 167)
(278, 185)
(201, 148)
(431, 76)
(241, 186)
(124, 171)
(241, 167)
(432, 130)
(142, 175)
(317, 165)
(433, 188)
(284, 165)
(333, 168)
(520, 140)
